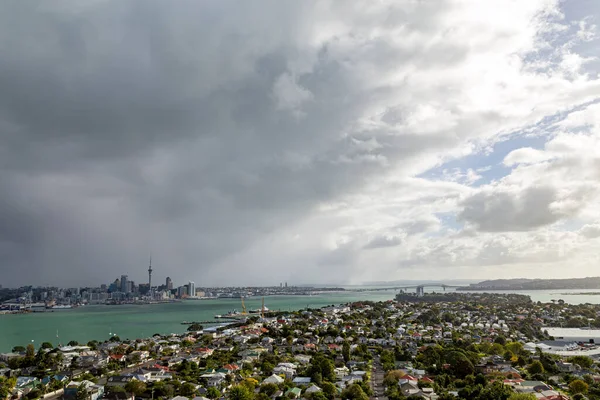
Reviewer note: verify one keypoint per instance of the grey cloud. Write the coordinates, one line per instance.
(498, 211)
(129, 128)
(590, 231)
(383, 241)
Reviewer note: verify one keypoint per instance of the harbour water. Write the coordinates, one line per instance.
(138, 321)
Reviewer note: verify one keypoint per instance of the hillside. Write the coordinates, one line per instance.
(535, 284)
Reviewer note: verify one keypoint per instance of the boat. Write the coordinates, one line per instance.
(259, 310)
(61, 307)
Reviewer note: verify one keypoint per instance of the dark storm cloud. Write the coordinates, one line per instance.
(194, 130)
(143, 127)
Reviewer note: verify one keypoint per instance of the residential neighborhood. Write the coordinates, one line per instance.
(463, 346)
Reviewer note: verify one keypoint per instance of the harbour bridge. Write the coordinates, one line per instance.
(420, 289)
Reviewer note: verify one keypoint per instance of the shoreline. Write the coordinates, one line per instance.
(473, 289)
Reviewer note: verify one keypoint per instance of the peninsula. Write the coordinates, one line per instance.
(534, 284)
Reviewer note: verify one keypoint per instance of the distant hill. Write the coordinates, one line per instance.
(535, 284)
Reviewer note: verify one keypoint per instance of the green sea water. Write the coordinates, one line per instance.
(139, 321)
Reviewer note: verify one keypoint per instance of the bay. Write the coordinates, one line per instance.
(138, 321)
(99, 322)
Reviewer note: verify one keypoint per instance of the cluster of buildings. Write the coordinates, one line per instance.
(355, 339)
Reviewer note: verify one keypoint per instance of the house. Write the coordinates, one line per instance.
(301, 380)
(119, 396)
(94, 391)
(26, 382)
(119, 380)
(293, 393)
(341, 372)
(276, 379)
(286, 369)
(214, 380)
(409, 388)
(313, 389)
(118, 357)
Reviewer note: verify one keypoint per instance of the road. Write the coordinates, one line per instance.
(125, 371)
(377, 375)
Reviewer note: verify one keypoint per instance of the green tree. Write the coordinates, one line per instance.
(18, 349)
(522, 396)
(30, 351)
(535, 367)
(354, 392)
(241, 392)
(7, 385)
(329, 389)
(269, 389)
(47, 345)
(582, 361)
(73, 343)
(136, 387)
(82, 393)
(213, 393)
(187, 390)
(346, 351)
(578, 386)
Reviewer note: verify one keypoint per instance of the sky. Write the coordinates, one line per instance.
(253, 143)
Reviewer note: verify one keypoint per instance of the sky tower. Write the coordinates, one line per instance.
(150, 276)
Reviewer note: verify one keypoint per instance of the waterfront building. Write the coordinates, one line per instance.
(124, 284)
(574, 335)
(169, 284)
(191, 288)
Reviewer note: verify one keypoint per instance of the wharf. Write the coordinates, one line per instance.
(208, 322)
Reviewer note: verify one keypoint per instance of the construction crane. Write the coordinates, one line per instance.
(243, 306)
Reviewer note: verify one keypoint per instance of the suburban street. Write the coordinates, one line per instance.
(377, 376)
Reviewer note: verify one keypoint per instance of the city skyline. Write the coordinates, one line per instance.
(314, 142)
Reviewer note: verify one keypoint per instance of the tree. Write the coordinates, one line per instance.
(195, 327)
(354, 392)
(47, 345)
(213, 393)
(329, 390)
(73, 343)
(535, 367)
(136, 387)
(241, 392)
(6, 386)
(578, 386)
(82, 393)
(187, 390)
(522, 396)
(316, 396)
(269, 389)
(18, 349)
(346, 351)
(500, 340)
(582, 361)
(30, 351)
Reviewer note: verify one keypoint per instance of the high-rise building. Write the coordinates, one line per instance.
(124, 284)
(150, 274)
(182, 291)
(169, 284)
(191, 288)
(286, 284)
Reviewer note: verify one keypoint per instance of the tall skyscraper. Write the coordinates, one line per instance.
(124, 284)
(150, 275)
(191, 288)
(169, 284)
